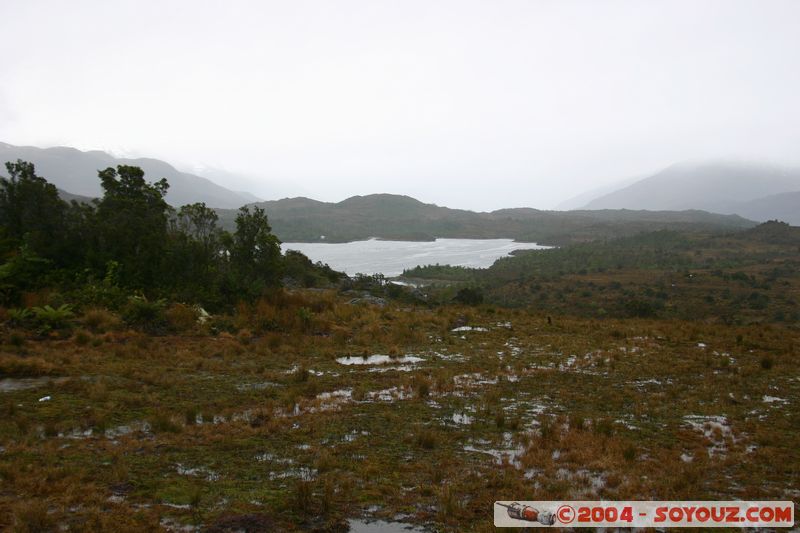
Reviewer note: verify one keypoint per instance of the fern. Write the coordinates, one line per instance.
(53, 318)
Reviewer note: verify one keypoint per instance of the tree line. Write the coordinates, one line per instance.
(130, 241)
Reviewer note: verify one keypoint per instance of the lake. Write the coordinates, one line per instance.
(390, 258)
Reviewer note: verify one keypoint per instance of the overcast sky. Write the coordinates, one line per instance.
(480, 105)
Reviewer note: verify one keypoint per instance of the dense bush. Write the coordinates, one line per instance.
(131, 241)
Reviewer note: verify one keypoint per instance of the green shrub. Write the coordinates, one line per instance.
(20, 316)
(53, 318)
(145, 314)
(469, 296)
(305, 315)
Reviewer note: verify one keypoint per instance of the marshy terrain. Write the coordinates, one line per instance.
(304, 410)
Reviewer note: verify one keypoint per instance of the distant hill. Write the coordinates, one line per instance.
(69, 197)
(783, 206)
(397, 217)
(76, 172)
(719, 187)
(772, 232)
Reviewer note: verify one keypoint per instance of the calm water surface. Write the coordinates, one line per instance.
(391, 257)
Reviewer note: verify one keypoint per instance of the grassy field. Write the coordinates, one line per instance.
(234, 424)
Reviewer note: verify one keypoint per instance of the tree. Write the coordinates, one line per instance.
(199, 223)
(469, 296)
(254, 252)
(194, 258)
(132, 224)
(31, 211)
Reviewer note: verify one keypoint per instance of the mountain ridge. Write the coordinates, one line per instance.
(725, 187)
(399, 217)
(75, 172)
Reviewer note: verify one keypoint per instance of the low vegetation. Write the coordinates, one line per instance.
(277, 415)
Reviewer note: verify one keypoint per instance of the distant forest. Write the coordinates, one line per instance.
(739, 277)
(396, 217)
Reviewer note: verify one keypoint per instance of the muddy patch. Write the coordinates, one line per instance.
(468, 328)
(378, 360)
(18, 384)
(715, 429)
(380, 526)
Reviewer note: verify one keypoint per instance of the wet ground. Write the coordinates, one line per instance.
(507, 407)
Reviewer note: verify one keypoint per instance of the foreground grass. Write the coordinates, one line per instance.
(268, 429)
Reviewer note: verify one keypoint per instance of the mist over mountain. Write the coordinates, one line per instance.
(580, 200)
(749, 189)
(75, 172)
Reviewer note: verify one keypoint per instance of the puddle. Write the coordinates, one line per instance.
(462, 418)
(353, 435)
(127, 429)
(77, 434)
(457, 357)
(304, 473)
(267, 457)
(568, 364)
(205, 473)
(532, 473)
(468, 328)
(17, 384)
(241, 387)
(379, 526)
(774, 399)
(594, 482)
(341, 394)
(388, 395)
(170, 524)
(399, 368)
(297, 368)
(509, 455)
(513, 348)
(642, 384)
(469, 380)
(716, 430)
(377, 360)
(627, 422)
(527, 411)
